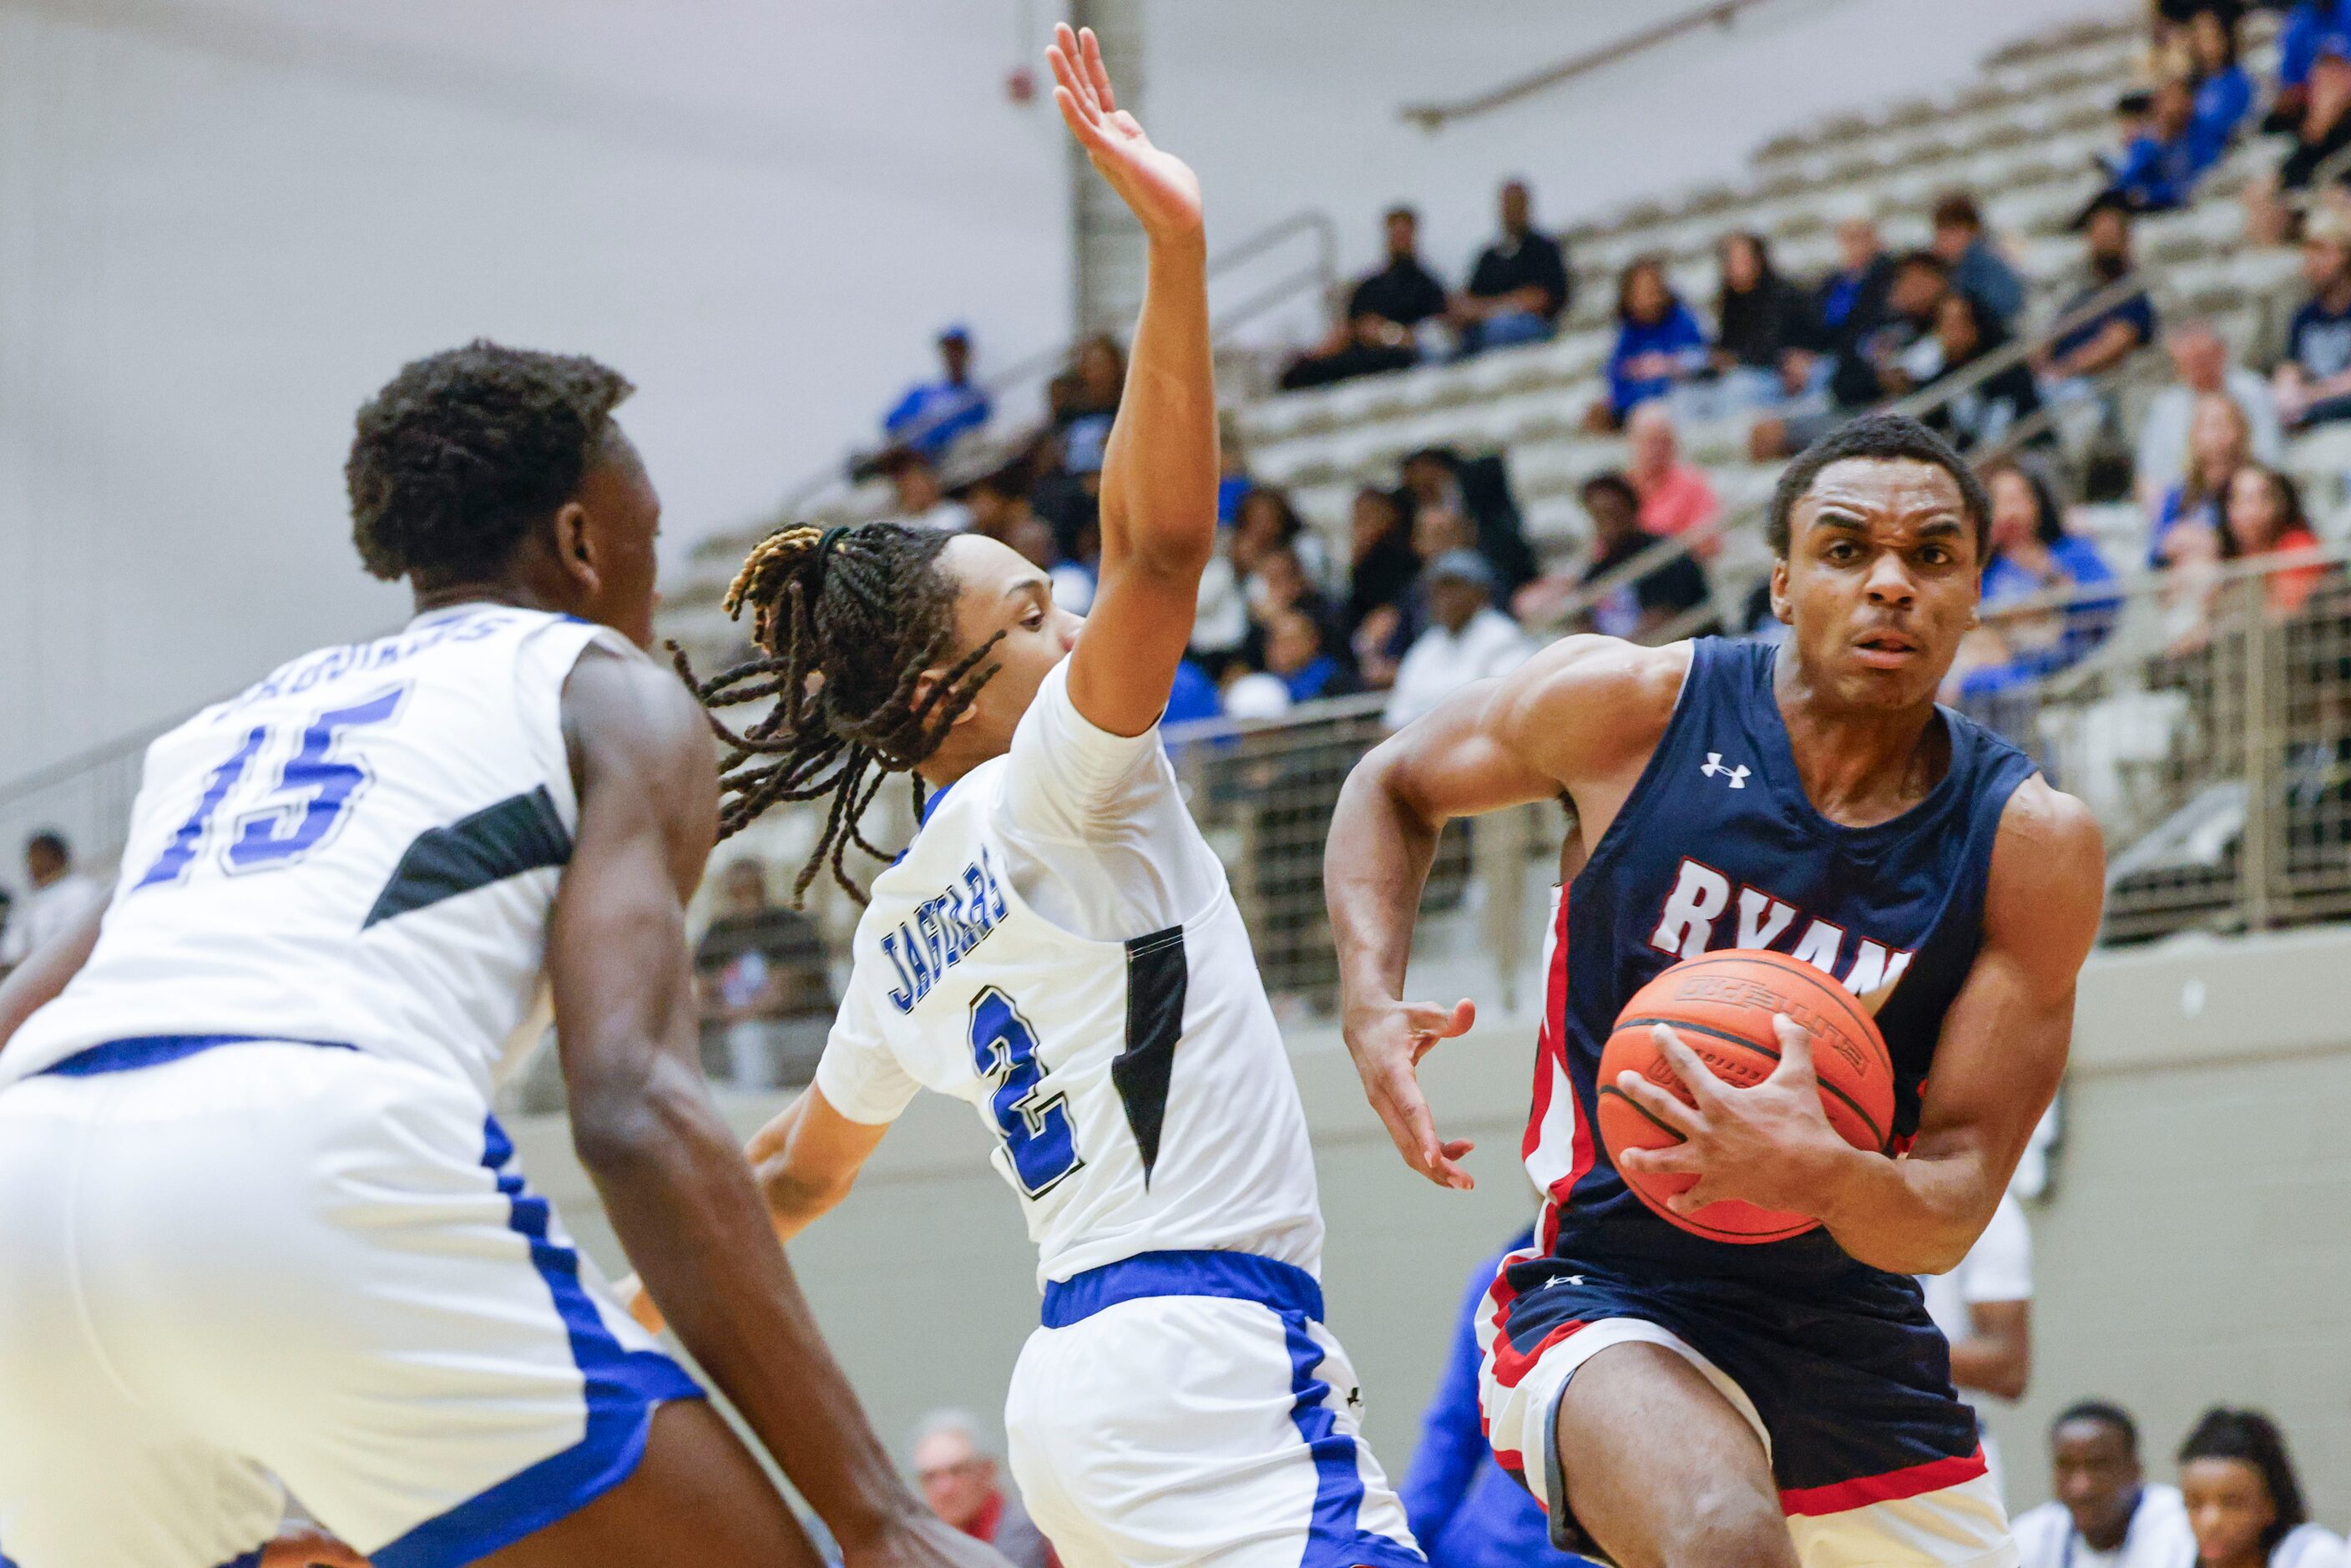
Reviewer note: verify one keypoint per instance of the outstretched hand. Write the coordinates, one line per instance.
(1770, 1144)
(1161, 191)
(1387, 1046)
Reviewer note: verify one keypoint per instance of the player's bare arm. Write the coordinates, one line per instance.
(1581, 718)
(668, 1170)
(35, 983)
(1159, 470)
(1998, 1061)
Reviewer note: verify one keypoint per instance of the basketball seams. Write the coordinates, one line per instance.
(1797, 969)
(1711, 1032)
(1689, 1222)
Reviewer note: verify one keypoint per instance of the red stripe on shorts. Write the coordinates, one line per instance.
(1916, 1480)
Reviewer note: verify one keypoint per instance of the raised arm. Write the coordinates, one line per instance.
(1580, 718)
(675, 1187)
(1159, 470)
(1997, 1065)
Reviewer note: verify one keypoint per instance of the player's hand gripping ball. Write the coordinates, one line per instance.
(1720, 1005)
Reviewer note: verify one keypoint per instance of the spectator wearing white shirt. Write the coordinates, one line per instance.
(2201, 368)
(2105, 1514)
(1466, 640)
(1984, 1307)
(2244, 1502)
(60, 896)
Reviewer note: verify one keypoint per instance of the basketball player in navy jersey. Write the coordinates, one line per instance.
(1679, 1400)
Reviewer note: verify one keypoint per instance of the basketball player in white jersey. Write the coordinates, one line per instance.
(1058, 947)
(257, 1222)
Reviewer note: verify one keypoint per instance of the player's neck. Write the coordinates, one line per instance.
(448, 595)
(1859, 766)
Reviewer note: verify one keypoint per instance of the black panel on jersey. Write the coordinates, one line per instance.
(520, 833)
(1155, 982)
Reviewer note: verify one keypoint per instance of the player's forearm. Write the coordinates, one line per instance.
(1998, 1366)
(1159, 471)
(36, 982)
(682, 1201)
(1373, 868)
(1908, 1216)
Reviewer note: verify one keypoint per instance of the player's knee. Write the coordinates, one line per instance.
(1726, 1524)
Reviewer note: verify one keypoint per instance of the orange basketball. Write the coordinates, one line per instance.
(1721, 1005)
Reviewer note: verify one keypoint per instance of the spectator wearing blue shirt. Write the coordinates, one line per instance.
(2224, 92)
(2107, 339)
(1660, 344)
(2032, 554)
(2313, 384)
(2159, 168)
(931, 414)
(1465, 1509)
(2309, 28)
(1976, 264)
(1297, 654)
(2220, 442)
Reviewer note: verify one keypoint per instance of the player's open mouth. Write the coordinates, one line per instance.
(1886, 650)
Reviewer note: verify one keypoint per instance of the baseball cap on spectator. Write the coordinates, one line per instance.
(1462, 566)
(956, 332)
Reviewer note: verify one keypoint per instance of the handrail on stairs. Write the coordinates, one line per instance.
(1434, 117)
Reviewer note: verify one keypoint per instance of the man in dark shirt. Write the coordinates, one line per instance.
(1377, 333)
(1633, 609)
(2114, 334)
(1519, 285)
(2312, 385)
(766, 995)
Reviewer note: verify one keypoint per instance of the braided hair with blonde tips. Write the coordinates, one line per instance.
(845, 621)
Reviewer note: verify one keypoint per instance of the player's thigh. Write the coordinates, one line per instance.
(1662, 1468)
(697, 1499)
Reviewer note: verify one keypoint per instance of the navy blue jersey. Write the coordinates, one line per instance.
(1717, 847)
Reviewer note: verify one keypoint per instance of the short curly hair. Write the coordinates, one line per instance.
(1890, 437)
(463, 451)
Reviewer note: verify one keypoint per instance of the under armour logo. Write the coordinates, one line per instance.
(1355, 1399)
(1738, 775)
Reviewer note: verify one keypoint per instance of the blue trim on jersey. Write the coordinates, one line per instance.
(621, 1388)
(1334, 1534)
(250, 1560)
(154, 1050)
(1236, 1276)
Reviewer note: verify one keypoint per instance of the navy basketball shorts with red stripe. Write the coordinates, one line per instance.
(1878, 1462)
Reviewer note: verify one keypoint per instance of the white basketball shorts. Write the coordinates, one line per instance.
(1190, 1408)
(233, 1261)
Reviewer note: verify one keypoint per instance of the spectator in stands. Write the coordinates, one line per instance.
(767, 996)
(2313, 384)
(1380, 569)
(1383, 636)
(1660, 344)
(1480, 489)
(2224, 92)
(1984, 1308)
(1975, 263)
(1518, 285)
(959, 1481)
(2106, 1510)
(2264, 517)
(1297, 654)
(931, 416)
(1467, 638)
(1762, 326)
(2220, 441)
(1265, 522)
(2308, 29)
(1377, 331)
(2244, 1502)
(1634, 608)
(2114, 334)
(2322, 130)
(1464, 1509)
(2167, 155)
(1676, 497)
(1874, 360)
(60, 896)
(1851, 301)
(998, 504)
(2202, 367)
(1276, 585)
(1982, 413)
(2031, 555)
(918, 500)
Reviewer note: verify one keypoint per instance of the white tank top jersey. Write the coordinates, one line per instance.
(361, 850)
(1058, 947)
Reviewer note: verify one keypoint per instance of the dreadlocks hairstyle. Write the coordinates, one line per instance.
(845, 621)
(462, 453)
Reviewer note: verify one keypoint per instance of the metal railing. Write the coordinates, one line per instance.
(1319, 274)
(1434, 117)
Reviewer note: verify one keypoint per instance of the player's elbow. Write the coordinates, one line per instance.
(2007, 1374)
(621, 1130)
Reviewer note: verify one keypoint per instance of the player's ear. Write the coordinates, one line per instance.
(575, 549)
(927, 682)
(1782, 608)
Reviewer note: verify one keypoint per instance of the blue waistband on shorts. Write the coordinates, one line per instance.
(154, 1049)
(1239, 1276)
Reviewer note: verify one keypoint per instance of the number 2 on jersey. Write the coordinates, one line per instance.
(312, 792)
(1039, 1136)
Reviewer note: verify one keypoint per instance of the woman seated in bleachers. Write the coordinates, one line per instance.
(2261, 516)
(2224, 92)
(2031, 555)
(1266, 521)
(1762, 324)
(2220, 441)
(1982, 414)
(2244, 1500)
(1659, 344)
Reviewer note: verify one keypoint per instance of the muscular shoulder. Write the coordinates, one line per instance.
(1588, 704)
(626, 717)
(2048, 882)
